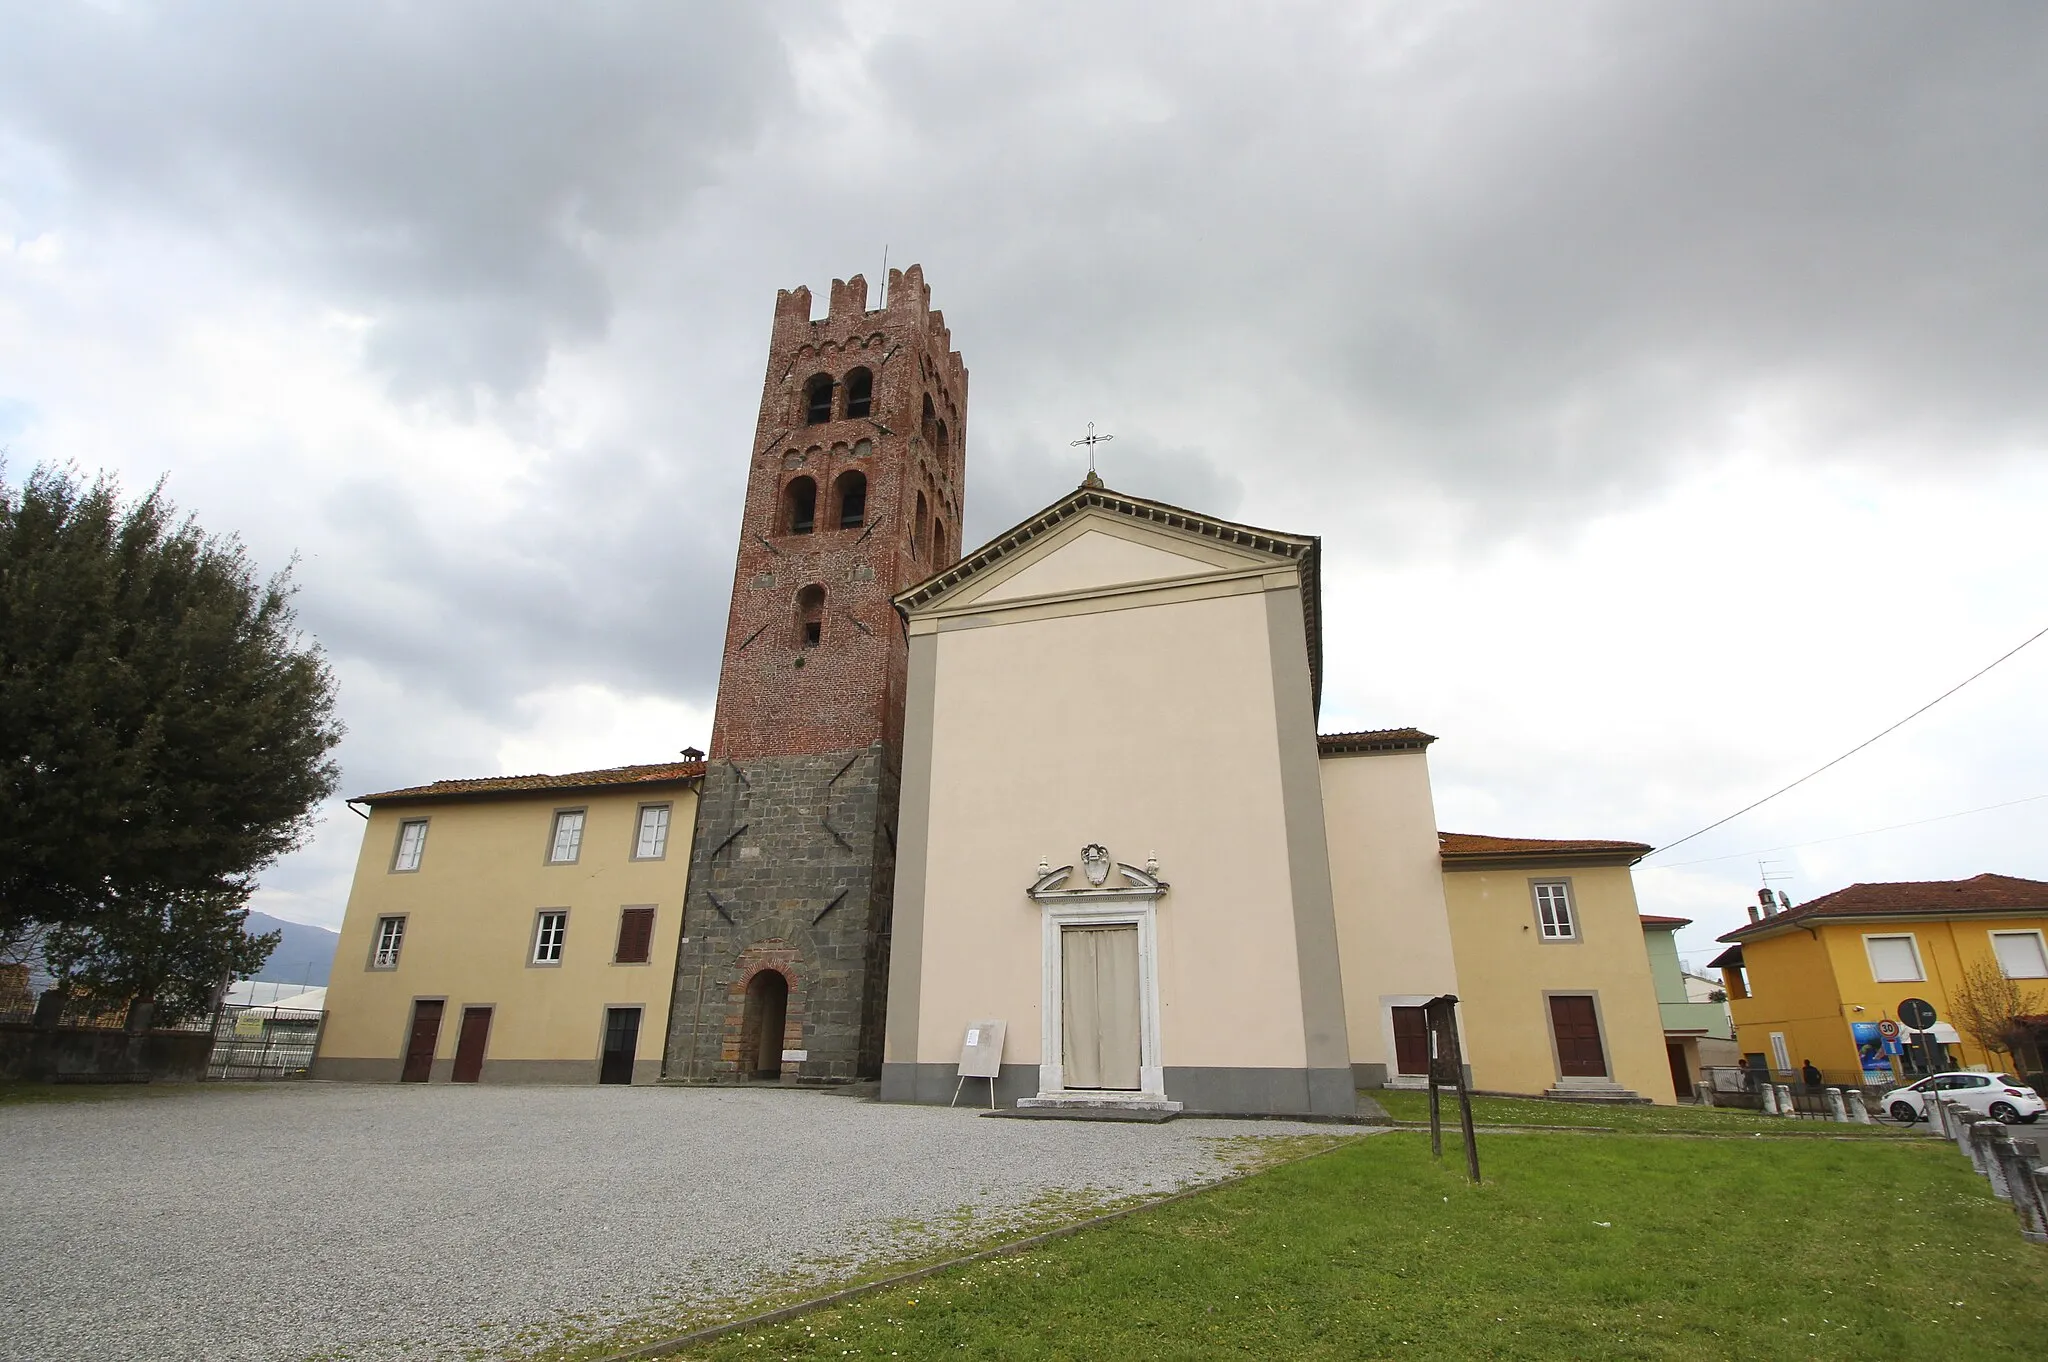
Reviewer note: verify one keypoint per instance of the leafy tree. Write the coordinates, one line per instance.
(172, 950)
(1987, 1007)
(165, 731)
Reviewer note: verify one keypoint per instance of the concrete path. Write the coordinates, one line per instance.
(290, 1221)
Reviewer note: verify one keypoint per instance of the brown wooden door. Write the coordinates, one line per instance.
(1577, 1029)
(419, 1047)
(1411, 1041)
(469, 1045)
(1681, 1074)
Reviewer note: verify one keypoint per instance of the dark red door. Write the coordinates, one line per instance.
(1411, 1041)
(419, 1047)
(469, 1046)
(1681, 1076)
(1577, 1029)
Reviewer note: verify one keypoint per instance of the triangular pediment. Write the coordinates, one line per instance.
(1097, 540)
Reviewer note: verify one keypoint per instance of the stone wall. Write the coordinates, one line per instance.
(792, 870)
(37, 1055)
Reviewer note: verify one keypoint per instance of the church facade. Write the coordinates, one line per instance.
(1066, 790)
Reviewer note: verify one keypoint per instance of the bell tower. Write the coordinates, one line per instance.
(854, 492)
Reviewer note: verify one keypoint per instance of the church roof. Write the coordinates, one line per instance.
(1476, 851)
(1985, 893)
(489, 787)
(1303, 550)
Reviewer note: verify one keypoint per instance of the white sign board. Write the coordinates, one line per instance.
(981, 1053)
(795, 1056)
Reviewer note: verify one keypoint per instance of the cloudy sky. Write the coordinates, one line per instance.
(1665, 382)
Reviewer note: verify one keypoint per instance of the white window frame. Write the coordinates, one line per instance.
(2039, 944)
(556, 827)
(660, 852)
(1912, 944)
(1565, 898)
(419, 847)
(388, 941)
(1781, 1054)
(548, 946)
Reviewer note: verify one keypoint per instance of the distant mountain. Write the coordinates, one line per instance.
(303, 957)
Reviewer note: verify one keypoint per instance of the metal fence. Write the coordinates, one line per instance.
(264, 1042)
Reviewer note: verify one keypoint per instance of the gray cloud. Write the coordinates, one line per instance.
(1402, 277)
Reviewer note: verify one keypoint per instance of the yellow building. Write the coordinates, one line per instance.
(1803, 981)
(1554, 980)
(521, 929)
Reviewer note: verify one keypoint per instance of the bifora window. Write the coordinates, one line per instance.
(412, 843)
(1894, 959)
(1554, 910)
(548, 932)
(860, 392)
(2020, 954)
(652, 842)
(567, 843)
(390, 936)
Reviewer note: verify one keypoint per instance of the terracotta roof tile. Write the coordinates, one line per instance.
(1374, 740)
(1657, 920)
(1985, 893)
(659, 773)
(1475, 846)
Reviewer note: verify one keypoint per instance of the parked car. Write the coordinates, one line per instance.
(1999, 1096)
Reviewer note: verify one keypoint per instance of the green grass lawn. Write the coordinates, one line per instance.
(1619, 1247)
(1535, 1111)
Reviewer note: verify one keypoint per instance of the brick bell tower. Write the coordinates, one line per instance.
(854, 492)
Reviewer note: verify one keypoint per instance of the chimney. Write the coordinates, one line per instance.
(1754, 915)
(1763, 896)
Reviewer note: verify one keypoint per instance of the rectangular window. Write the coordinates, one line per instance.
(412, 841)
(549, 930)
(390, 936)
(1780, 1056)
(2020, 954)
(636, 936)
(652, 842)
(1894, 959)
(1554, 910)
(568, 840)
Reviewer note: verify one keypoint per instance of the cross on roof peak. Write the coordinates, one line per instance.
(1091, 439)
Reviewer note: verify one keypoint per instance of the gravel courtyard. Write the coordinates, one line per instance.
(285, 1222)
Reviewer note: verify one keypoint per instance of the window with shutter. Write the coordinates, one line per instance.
(636, 936)
(1893, 959)
(2020, 954)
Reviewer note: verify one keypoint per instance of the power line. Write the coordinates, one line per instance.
(1852, 751)
(1845, 836)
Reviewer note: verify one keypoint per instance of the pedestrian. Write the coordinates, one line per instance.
(1812, 1076)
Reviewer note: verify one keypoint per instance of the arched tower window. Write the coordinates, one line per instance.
(800, 506)
(860, 392)
(939, 444)
(810, 616)
(818, 400)
(851, 494)
(917, 527)
(930, 422)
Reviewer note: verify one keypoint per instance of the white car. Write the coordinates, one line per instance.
(2000, 1096)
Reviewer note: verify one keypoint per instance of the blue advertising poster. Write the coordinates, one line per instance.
(1870, 1047)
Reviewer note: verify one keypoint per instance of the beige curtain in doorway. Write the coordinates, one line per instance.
(1099, 1007)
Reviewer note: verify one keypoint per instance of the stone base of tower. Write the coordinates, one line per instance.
(791, 875)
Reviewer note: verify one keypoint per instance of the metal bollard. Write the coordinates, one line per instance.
(1785, 1107)
(1858, 1113)
(1837, 1111)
